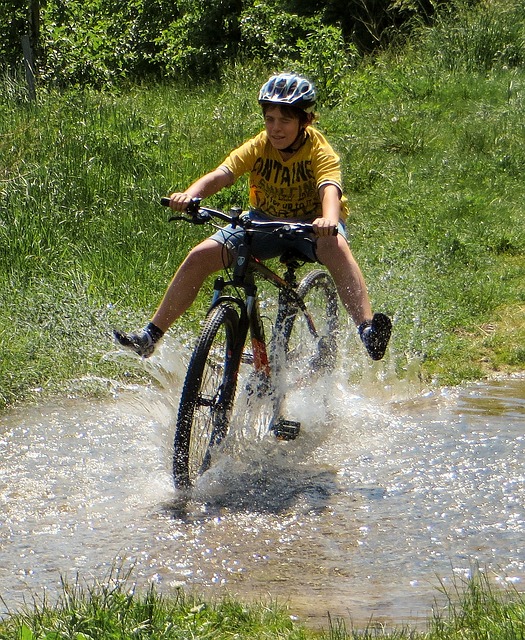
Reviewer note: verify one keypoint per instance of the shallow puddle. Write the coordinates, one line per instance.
(378, 503)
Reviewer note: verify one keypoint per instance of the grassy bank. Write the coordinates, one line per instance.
(115, 610)
(433, 160)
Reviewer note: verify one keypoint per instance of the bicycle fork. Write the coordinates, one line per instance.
(270, 371)
(268, 366)
(283, 428)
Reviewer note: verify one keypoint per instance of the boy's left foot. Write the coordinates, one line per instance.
(142, 342)
(375, 335)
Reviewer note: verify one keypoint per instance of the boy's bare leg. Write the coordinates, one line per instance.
(374, 329)
(335, 254)
(206, 258)
(203, 260)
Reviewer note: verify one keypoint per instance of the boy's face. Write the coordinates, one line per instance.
(282, 130)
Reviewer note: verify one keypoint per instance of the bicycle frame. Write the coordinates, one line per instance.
(266, 362)
(209, 389)
(245, 268)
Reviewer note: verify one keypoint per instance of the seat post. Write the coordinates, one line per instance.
(289, 274)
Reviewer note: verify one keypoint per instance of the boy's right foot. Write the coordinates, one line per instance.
(375, 335)
(142, 343)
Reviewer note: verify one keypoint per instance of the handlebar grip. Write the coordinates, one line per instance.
(193, 206)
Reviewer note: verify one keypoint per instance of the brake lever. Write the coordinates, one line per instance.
(200, 217)
(196, 215)
(185, 218)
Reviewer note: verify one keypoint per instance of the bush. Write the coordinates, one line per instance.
(99, 42)
(202, 37)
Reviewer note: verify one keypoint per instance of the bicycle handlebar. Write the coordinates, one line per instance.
(200, 215)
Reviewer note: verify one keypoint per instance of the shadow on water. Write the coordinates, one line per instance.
(272, 489)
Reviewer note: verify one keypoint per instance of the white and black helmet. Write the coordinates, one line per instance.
(289, 89)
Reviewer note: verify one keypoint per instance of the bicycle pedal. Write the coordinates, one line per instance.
(286, 429)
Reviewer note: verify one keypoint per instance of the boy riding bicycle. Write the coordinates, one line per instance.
(293, 174)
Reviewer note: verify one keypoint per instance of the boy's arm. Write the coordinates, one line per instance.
(331, 204)
(204, 187)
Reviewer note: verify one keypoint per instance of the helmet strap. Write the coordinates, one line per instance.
(302, 136)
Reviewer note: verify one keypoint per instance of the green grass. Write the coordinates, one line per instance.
(439, 189)
(433, 160)
(115, 609)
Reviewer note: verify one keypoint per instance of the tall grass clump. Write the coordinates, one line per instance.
(434, 158)
(476, 608)
(116, 608)
(477, 36)
(84, 244)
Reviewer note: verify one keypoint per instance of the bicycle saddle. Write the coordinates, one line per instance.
(294, 256)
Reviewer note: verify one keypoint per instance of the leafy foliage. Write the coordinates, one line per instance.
(199, 38)
(100, 41)
(103, 41)
(269, 34)
(325, 56)
(14, 22)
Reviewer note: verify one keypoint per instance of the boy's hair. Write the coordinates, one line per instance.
(288, 111)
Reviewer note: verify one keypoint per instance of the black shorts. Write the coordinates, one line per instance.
(266, 245)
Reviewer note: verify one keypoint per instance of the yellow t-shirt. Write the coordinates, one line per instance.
(287, 188)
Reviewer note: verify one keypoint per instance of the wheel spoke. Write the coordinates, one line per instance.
(207, 396)
(312, 349)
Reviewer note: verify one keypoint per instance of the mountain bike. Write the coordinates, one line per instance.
(303, 339)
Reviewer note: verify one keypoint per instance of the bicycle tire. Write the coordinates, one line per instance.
(207, 395)
(304, 351)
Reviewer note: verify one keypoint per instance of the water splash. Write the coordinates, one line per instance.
(389, 489)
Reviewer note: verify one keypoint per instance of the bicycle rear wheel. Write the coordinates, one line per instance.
(310, 339)
(207, 395)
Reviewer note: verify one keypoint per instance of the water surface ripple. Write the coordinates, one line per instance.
(365, 515)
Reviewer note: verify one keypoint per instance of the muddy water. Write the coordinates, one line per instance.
(389, 492)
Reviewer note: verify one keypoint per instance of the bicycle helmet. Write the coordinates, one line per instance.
(289, 89)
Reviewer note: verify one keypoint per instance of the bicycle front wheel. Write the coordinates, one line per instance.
(207, 395)
(310, 336)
